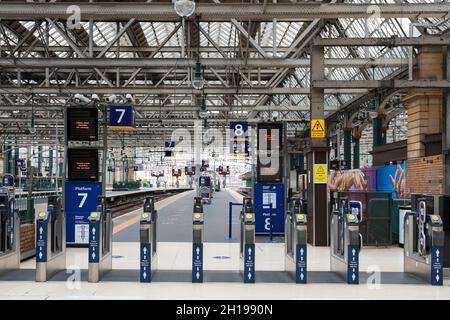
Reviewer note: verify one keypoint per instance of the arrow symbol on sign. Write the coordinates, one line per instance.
(301, 276)
(40, 255)
(249, 251)
(93, 255)
(249, 275)
(41, 230)
(93, 230)
(353, 277)
(198, 251)
(197, 275)
(437, 253)
(145, 250)
(353, 251)
(301, 251)
(437, 278)
(144, 275)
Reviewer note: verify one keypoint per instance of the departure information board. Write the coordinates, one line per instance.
(82, 124)
(83, 165)
(269, 165)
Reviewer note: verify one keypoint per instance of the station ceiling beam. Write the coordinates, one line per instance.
(164, 12)
(372, 84)
(425, 40)
(25, 63)
(149, 90)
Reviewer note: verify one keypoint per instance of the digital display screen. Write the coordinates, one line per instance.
(269, 165)
(83, 165)
(82, 124)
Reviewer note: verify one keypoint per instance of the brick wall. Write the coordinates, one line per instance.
(27, 237)
(424, 175)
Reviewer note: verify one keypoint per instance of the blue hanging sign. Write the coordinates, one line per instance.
(121, 118)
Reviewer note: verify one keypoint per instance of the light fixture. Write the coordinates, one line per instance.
(198, 82)
(184, 8)
(202, 113)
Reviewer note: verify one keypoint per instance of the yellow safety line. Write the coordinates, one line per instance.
(158, 205)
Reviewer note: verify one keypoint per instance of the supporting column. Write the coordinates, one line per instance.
(317, 153)
(348, 146)
(356, 155)
(446, 122)
(40, 159)
(50, 162)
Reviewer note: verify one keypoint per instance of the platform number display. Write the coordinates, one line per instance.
(121, 117)
(239, 138)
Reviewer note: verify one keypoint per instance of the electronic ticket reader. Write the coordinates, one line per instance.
(147, 235)
(345, 243)
(50, 240)
(9, 230)
(424, 244)
(100, 241)
(205, 188)
(197, 241)
(295, 240)
(247, 241)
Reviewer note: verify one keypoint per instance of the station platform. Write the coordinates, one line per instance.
(172, 279)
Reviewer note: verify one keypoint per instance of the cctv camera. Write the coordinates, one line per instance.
(82, 98)
(112, 98)
(95, 97)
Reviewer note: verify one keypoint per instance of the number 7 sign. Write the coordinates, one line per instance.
(121, 117)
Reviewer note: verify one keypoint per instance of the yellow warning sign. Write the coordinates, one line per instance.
(320, 173)
(317, 128)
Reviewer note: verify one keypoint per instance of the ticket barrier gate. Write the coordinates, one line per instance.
(247, 241)
(9, 231)
(197, 241)
(50, 240)
(295, 240)
(345, 245)
(100, 241)
(423, 251)
(147, 235)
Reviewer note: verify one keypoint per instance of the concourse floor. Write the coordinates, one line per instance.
(222, 279)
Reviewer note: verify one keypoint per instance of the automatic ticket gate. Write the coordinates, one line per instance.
(345, 244)
(147, 235)
(197, 241)
(100, 241)
(247, 241)
(424, 244)
(9, 231)
(50, 240)
(295, 240)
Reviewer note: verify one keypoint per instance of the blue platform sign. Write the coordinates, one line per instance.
(249, 263)
(353, 264)
(80, 201)
(197, 262)
(146, 263)
(41, 241)
(239, 139)
(437, 259)
(265, 194)
(301, 264)
(121, 117)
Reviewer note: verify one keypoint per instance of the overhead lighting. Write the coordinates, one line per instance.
(198, 82)
(184, 8)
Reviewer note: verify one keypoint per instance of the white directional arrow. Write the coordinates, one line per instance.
(93, 255)
(301, 251)
(249, 275)
(353, 258)
(437, 253)
(40, 255)
(301, 276)
(437, 278)
(197, 275)
(198, 250)
(144, 275)
(353, 277)
(145, 250)
(41, 230)
(249, 251)
(353, 251)
(93, 230)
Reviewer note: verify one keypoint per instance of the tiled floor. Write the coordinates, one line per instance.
(222, 256)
